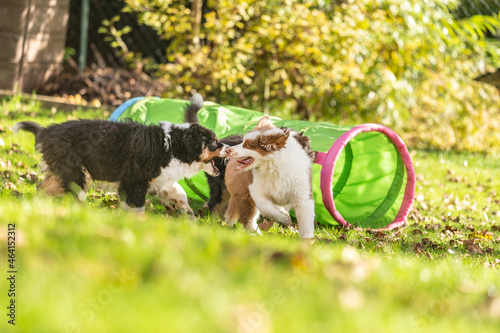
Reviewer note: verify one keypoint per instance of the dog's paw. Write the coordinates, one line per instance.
(137, 210)
(255, 232)
(286, 221)
(187, 211)
(230, 219)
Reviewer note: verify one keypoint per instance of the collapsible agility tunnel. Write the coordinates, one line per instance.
(363, 175)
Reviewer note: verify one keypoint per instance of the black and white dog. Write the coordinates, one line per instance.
(141, 159)
(218, 195)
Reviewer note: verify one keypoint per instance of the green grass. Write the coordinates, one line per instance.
(90, 267)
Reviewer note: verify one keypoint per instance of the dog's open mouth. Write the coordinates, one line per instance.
(243, 163)
(214, 168)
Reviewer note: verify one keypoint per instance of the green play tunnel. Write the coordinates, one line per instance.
(363, 175)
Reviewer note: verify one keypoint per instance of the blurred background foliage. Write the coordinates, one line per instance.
(409, 65)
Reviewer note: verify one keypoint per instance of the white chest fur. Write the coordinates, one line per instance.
(284, 177)
(174, 171)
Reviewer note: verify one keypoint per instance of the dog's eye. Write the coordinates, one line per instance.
(213, 146)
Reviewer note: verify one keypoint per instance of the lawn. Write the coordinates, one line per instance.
(90, 267)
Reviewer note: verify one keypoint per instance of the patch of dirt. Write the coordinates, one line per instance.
(102, 86)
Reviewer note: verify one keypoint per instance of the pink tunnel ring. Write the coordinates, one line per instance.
(328, 161)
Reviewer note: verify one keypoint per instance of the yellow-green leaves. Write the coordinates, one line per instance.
(406, 64)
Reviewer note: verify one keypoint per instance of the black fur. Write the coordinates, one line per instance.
(28, 126)
(216, 184)
(129, 153)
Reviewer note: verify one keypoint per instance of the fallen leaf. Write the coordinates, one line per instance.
(453, 176)
(472, 247)
(434, 226)
(450, 228)
(482, 234)
(6, 165)
(470, 227)
(418, 248)
(266, 225)
(377, 234)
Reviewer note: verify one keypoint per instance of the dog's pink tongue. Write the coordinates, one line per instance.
(246, 160)
(243, 163)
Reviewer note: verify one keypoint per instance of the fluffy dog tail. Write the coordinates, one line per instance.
(29, 126)
(192, 108)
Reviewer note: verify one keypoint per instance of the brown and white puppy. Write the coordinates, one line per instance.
(269, 173)
(139, 158)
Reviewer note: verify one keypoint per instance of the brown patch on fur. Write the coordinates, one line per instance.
(266, 144)
(207, 155)
(52, 186)
(241, 206)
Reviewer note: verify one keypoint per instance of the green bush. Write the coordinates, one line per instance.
(469, 8)
(406, 64)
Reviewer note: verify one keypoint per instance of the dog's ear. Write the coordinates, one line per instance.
(265, 122)
(275, 141)
(266, 144)
(280, 140)
(193, 140)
